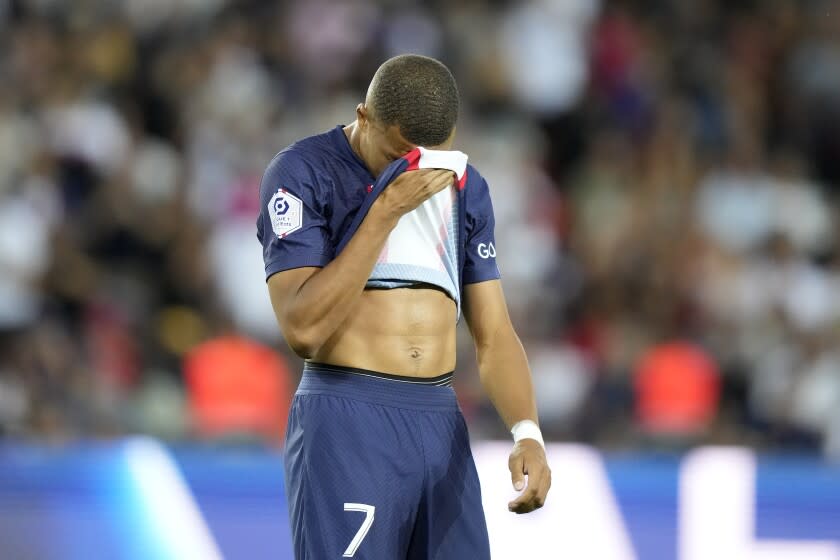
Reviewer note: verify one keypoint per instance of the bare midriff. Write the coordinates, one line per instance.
(402, 331)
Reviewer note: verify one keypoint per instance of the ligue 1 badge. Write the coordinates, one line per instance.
(286, 211)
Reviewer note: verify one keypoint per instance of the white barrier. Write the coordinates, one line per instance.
(581, 519)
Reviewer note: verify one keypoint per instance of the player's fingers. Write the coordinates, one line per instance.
(419, 179)
(542, 488)
(516, 464)
(449, 176)
(424, 175)
(547, 479)
(536, 480)
(430, 183)
(542, 493)
(534, 495)
(440, 182)
(444, 176)
(524, 502)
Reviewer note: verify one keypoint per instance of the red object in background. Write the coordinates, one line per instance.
(111, 344)
(616, 48)
(677, 389)
(236, 386)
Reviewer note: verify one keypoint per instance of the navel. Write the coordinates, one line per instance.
(415, 353)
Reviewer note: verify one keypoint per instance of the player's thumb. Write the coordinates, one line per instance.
(517, 474)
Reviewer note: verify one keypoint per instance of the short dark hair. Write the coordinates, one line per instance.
(419, 95)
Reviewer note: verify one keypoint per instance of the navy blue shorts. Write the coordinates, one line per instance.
(380, 469)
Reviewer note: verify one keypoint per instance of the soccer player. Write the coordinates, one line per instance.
(378, 464)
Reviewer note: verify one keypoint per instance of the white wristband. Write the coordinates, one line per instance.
(527, 429)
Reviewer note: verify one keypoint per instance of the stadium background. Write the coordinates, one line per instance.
(665, 176)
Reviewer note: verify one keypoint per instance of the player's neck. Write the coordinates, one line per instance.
(351, 131)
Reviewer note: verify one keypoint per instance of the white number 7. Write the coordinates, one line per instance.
(363, 530)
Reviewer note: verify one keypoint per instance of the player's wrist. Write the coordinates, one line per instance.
(527, 429)
(384, 216)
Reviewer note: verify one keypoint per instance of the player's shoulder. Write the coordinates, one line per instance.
(476, 185)
(304, 161)
(473, 175)
(304, 154)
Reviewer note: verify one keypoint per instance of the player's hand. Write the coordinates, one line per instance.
(413, 188)
(528, 458)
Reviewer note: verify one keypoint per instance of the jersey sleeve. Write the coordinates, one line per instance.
(480, 251)
(292, 226)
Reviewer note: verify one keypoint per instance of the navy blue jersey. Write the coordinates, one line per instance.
(315, 194)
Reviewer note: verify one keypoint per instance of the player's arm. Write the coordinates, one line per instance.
(506, 378)
(501, 359)
(310, 303)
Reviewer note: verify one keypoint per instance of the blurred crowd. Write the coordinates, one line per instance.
(665, 176)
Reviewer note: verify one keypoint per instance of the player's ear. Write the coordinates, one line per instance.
(362, 115)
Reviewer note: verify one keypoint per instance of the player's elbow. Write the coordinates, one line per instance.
(304, 340)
